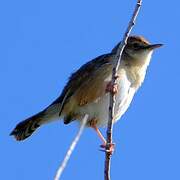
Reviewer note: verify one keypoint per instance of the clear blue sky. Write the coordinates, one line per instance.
(41, 43)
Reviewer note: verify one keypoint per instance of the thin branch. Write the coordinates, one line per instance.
(112, 96)
(71, 148)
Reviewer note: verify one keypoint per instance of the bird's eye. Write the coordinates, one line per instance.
(136, 45)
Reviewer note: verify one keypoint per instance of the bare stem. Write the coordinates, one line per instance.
(71, 148)
(112, 96)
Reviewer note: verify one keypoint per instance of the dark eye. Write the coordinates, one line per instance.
(136, 45)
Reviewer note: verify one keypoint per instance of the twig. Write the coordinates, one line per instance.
(112, 96)
(71, 148)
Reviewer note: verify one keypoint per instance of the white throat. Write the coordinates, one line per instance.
(145, 57)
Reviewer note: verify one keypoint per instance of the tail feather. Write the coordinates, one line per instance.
(26, 128)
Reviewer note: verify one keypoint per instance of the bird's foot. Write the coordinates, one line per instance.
(108, 148)
(112, 88)
(105, 147)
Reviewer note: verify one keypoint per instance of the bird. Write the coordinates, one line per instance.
(88, 89)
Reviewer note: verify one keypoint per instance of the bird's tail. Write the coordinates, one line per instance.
(25, 128)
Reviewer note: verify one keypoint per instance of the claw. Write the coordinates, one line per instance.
(112, 88)
(110, 149)
(104, 147)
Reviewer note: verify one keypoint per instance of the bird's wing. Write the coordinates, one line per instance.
(85, 85)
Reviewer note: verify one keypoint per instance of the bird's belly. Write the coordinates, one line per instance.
(99, 109)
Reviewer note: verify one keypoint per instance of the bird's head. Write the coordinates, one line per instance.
(138, 49)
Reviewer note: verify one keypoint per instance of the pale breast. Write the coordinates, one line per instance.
(99, 108)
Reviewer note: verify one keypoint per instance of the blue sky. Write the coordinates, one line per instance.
(41, 43)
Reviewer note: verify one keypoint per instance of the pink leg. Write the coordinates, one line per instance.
(99, 135)
(112, 88)
(104, 146)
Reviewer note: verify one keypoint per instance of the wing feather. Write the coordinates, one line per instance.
(85, 84)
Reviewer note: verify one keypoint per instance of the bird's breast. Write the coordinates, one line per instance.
(99, 108)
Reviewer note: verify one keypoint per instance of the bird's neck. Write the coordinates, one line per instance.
(136, 69)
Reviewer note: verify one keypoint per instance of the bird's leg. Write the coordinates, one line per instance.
(99, 135)
(112, 88)
(110, 147)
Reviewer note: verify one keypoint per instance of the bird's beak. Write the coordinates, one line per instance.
(153, 46)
